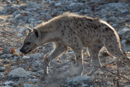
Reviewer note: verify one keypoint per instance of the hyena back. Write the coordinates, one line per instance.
(75, 31)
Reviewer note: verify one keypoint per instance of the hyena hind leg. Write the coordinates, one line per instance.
(115, 49)
(94, 51)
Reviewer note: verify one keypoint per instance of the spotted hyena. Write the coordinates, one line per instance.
(75, 31)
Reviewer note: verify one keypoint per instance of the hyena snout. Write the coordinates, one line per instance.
(25, 50)
(22, 50)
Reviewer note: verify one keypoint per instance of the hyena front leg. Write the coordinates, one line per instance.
(94, 51)
(79, 61)
(59, 49)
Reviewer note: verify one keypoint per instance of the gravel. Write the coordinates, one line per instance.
(27, 70)
(2, 69)
(6, 50)
(19, 72)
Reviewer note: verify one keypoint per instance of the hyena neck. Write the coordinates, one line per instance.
(48, 31)
(50, 36)
(46, 27)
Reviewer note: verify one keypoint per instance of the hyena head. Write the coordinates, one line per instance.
(32, 41)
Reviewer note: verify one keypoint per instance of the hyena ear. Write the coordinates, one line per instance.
(29, 29)
(37, 33)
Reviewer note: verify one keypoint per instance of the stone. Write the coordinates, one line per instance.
(71, 53)
(127, 48)
(100, 72)
(16, 58)
(2, 69)
(37, 64)
(6, 50)
(127, 86)
(40, 72)
(18, 16)
(8, 83)
(32, 5)
(2, 76)
(124, 34)
(84, 85)
(71, 58)
(58, 4)
(19, 34)
(13, 20)
(72, 4)
(28, 85)
(3, 56)
(35, 80)
(19, 72)
(110, 62)
(10, 10)
(123, 41)
(13, 67)
(5, 61)
(112, 18)
(123, 31)
(1, 19)
(109, 84)
(79, 80)
(1, 53)
(124, 11)
(37, 56)
(97, 1)
(26, 57)
(15, 13)
(8, 55)
(1, 64)
(21, 7)
(64, 74)
(34, 69)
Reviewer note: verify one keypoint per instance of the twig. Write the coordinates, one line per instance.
(117, 63)
(116, 74)
(113, 73)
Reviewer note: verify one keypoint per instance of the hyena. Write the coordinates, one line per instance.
(75, 31)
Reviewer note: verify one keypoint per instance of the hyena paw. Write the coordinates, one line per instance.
(43, 78)
(77, 69)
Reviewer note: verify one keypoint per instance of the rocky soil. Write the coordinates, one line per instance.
(18, 70)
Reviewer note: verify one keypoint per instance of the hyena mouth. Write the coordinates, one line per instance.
(25, 51)
(28, 51)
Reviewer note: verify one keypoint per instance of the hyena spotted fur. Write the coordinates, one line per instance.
(75, 31)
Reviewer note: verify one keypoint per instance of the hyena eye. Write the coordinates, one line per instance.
(28, 43)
